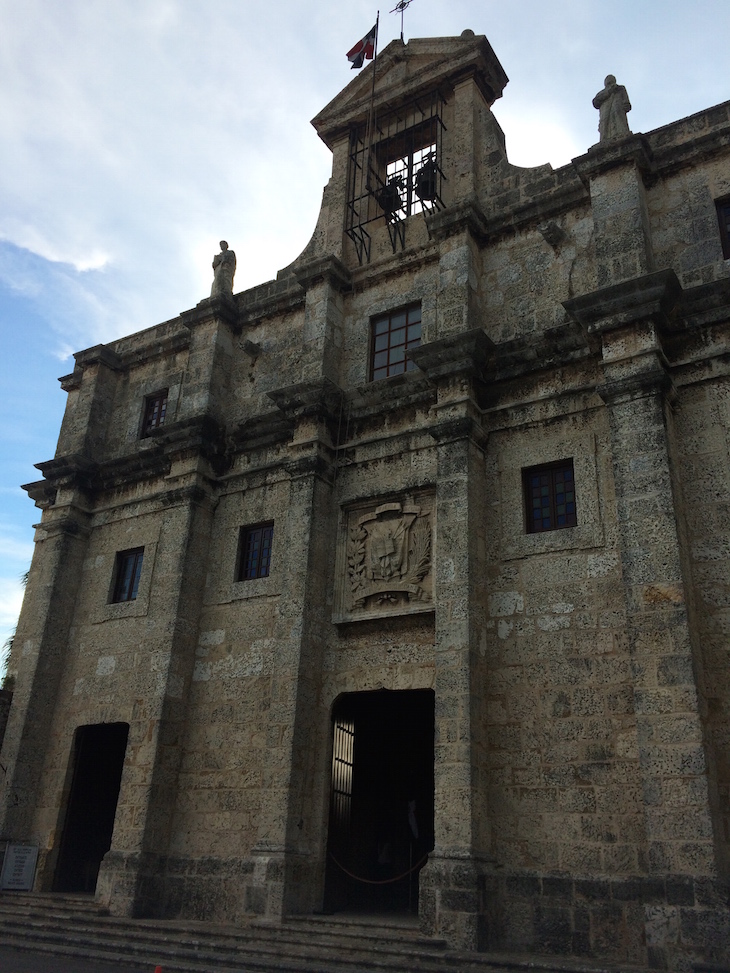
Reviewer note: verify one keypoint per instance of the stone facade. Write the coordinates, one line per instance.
(579, 680)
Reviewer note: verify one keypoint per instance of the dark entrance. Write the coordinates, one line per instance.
(98, 758)
(381, 808)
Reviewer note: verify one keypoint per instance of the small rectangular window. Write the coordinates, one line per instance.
(392, 335)
(127, 572)
(254, 552)
(155, 407)
(723, 216)
(549, 493)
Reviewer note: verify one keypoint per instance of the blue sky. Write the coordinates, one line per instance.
(138, 133)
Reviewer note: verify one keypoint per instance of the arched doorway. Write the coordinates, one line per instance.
(381, 805)
(98, 759)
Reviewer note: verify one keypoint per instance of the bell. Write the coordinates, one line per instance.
(425, 183)
(389, 196)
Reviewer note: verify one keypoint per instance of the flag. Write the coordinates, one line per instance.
(363, 49)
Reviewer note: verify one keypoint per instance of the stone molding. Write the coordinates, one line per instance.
(321, 400)
(604, 156)
(455, 429)
(461, 354)
(533, 449)
(655, 296)
(212, 309)
(652, 381)
(329, 269)
(467, 216)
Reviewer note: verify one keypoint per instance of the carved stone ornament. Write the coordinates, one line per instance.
(388, 560)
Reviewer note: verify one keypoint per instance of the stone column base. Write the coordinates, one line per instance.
(281, 884)
(131, 884)
(453, 901)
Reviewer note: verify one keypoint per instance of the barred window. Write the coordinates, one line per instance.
(155, 407)
(254, 551)
(392, 335)
(549, 493)
(127, 572)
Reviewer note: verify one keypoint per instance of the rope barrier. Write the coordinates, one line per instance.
(383, 881)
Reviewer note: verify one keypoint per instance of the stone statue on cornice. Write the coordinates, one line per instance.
(224, 268)
(613, 105)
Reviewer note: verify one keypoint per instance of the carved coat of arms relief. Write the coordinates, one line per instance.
(388, 558)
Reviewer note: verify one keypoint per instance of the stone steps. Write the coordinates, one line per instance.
(76, 926)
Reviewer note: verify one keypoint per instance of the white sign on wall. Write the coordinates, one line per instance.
(19, 868)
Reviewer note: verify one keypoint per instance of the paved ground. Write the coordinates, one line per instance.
(26, 961)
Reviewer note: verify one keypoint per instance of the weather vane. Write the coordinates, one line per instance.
(400, 8)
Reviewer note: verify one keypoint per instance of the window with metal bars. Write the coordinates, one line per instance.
(254, 551)
(155, 408)
(127, 572)
(395, 170)
(392, 335)
(343, 748)
(409, 160)
(723, 216)
(549, 496)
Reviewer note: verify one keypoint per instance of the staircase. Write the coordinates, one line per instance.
(66, 925)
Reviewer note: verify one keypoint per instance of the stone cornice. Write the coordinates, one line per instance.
(41, 492)
(554, 348)
(98, 354)
(164, 346)
(466, 216)
(655, 297)
(467, 353)
(77, 472)
(399, 391)
(201, 435)
(458, 428)
(314, 465)
(329, 269)
(705, 305)
(605, 156)
(267, 300)
(66, 524)
(261, 431)
(322, 399)
(211, 309)
(651, 381)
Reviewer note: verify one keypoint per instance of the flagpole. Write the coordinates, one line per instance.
(371, 115)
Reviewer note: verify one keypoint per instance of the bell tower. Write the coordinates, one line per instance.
(403, 135)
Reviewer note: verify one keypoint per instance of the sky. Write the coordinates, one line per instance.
(135, 134)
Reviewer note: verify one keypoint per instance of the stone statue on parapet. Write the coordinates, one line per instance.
(224, 267)
(613, 104)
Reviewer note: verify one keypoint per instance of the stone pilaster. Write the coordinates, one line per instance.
(679, 790)
(614, 173)
(459, 230)
(289, 853)
(90, 389)
(453, 898)
(207, 391)
(324, 280)
(131, 878)
(37, 660)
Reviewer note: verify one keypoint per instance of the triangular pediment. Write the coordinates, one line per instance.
(402, 71)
